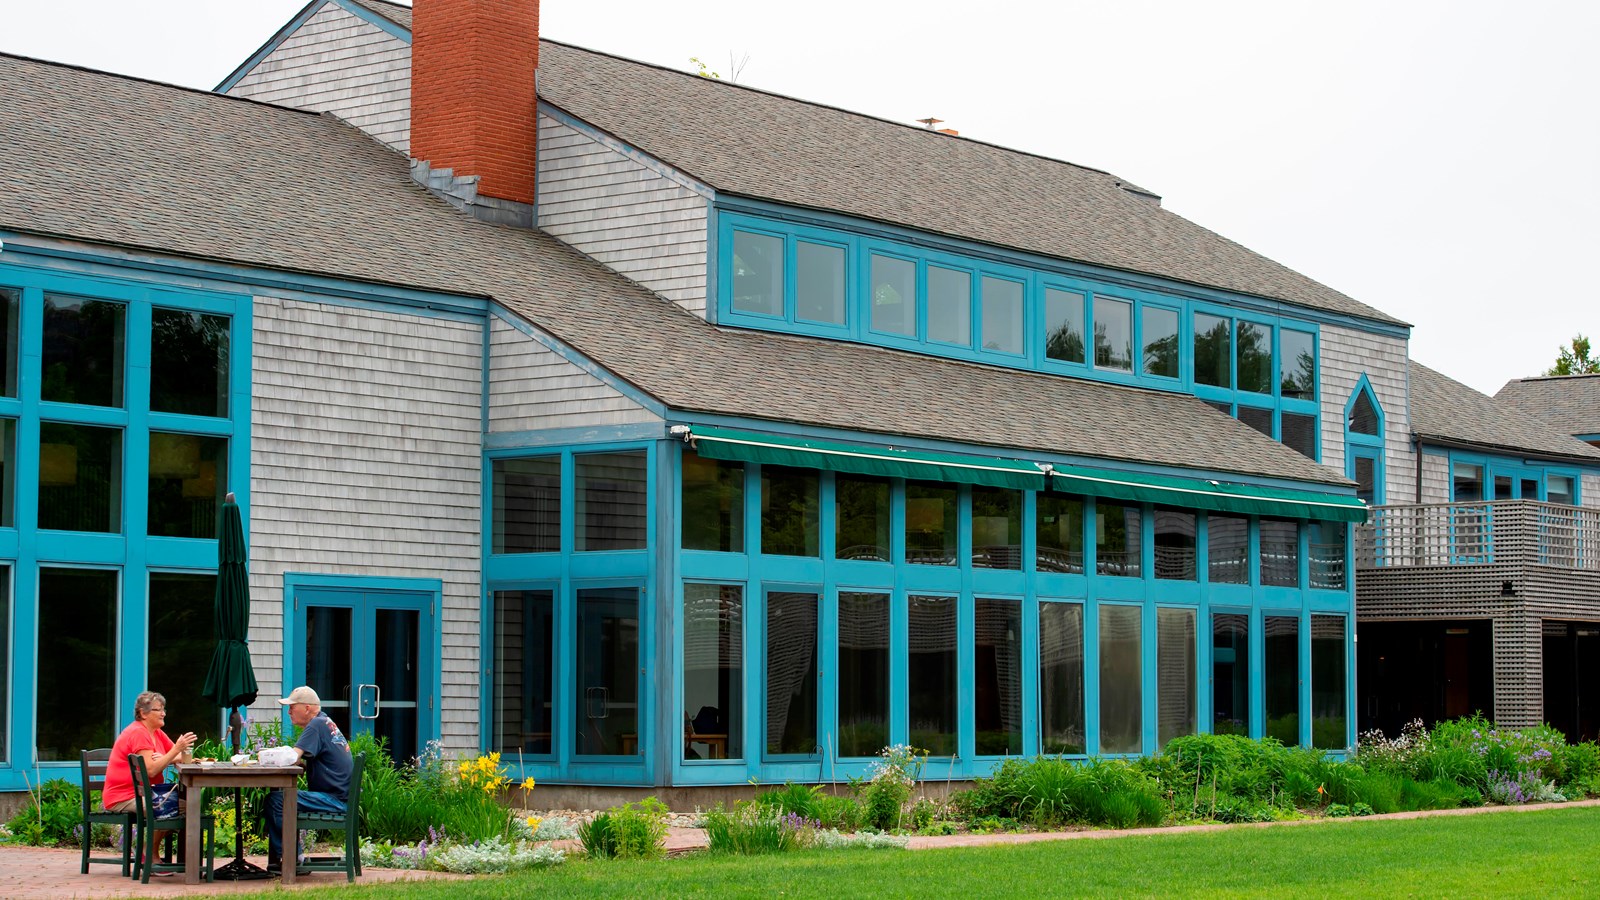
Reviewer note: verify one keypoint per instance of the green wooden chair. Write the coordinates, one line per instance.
(350, 861)
(92, 767)
(145, 861)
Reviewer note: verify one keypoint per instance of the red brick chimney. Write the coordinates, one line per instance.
(472, 100)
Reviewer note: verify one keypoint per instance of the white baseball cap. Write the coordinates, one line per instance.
(302, 694)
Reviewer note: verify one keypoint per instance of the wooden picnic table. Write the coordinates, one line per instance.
(195, 776)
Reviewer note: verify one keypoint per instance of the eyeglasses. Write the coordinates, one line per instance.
(157, 709)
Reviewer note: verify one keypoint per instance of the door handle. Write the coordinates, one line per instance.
(361, 701)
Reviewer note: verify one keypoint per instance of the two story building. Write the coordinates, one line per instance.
(656, 430)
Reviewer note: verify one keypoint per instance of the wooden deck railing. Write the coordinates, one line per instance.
(1499, 532)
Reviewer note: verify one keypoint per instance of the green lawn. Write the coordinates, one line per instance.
(1528, 854)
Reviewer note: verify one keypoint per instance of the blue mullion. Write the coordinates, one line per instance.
(966, 635)
(174, 422)
(665, 586)
(73, 413)
(563, 712)
(755, 676)
(899, 697)
(1030, 624)
(136, 499)
(25, 638)
(1204, 715)
(828, 630)
(1150, 695)
(1091, 674)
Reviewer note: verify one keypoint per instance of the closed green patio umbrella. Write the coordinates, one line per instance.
(231, 680)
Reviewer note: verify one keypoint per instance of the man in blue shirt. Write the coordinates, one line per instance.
(326, 754)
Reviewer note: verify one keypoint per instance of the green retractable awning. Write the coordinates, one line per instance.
(771, 449)
(1214, 496)
(1136, 487)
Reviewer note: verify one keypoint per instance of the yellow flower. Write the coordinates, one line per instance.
(533, 823)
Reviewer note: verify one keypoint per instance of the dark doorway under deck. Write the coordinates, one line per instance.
(1433, 671)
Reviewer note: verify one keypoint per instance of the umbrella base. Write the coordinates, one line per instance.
(240, 869)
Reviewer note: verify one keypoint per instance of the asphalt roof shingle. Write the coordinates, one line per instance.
(1446, 409)
(1570, 403)
(136, 164)
(752, 143)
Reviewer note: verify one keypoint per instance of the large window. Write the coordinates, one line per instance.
(527, 505)
(791, 673)
(1230, 673)
(8, 474)
(188, 363)
(1227, 549)
(1255, 357)
(946, 301)
(996, 528)
(997, 682)
(1213, 351)
(1113, 334)
(1160, 340)
(863, 673)
(1280, 553)
(894, 295)
(1281, 668)
(931, 523)
(181, 638)
(5, 661)
(713, 671)
(790, 509)
(931, 671)
(1121, 680)
(80, 478)
(1327, 547)
(10, 336)
(1063, 338)
(611, 502)
(524, 671)
(1002, 315)
(1176, 700)
(83, 351)
(607, 674)
(1061, 696)
(757, 273)
(819, 283)
(188, 478)
(1175, 533)
(949, 306)
(1297, 365)
(1059, 533)
(861, 518)
(713, 504)
(1329, 730)
(1117, 537)
(77, 678)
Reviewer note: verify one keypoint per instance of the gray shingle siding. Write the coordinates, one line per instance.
(532, 387)
(623, 214)
(365, 460)
(340, 63)
(1435, 478)
(1346, 355)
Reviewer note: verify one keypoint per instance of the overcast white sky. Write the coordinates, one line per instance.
(1437, 160)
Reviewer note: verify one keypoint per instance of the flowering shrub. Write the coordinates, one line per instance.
(1526, 787)
(752, 829)
(484, 774)
(438, 853)
(888, 785)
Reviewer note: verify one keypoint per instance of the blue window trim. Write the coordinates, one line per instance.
(131, 551)
(565, 573)
(860, 249)
(1518, 468)
(757, 574)
(300, 583)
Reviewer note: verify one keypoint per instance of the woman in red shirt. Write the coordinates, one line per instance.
(143, 736)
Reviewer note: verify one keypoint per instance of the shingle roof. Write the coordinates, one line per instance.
(1570, 403)
(116, 160)
(1445, 409)
(757, 144)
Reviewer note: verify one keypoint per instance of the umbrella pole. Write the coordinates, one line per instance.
(240, 869)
